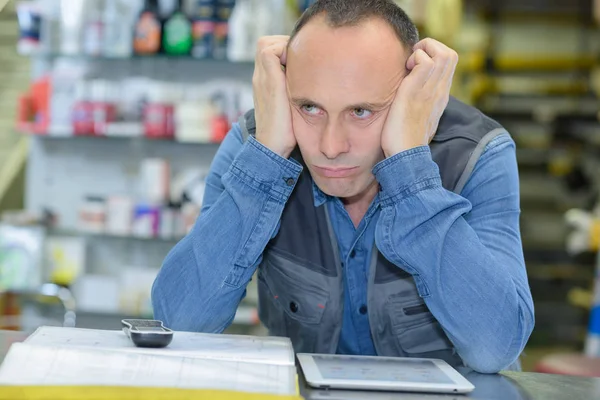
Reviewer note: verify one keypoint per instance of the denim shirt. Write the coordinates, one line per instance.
(464, 250)
(355, 246)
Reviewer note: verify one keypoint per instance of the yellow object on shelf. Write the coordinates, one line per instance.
(581, 298)
(126, 393)
(520, 62)
(595, 235)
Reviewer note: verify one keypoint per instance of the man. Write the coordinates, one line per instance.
(382, 215)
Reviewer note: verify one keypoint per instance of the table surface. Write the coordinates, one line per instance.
(505, 386)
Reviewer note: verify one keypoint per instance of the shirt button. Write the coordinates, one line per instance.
(293, 307)
(363, 309)
(353, 254)
(290, 181)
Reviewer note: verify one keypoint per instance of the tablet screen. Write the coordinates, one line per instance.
(358, 368)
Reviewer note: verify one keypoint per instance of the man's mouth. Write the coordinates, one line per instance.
(327, 172)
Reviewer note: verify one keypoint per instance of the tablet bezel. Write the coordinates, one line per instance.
(315, 379)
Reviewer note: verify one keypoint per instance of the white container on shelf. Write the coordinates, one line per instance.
(93, 29)
(92, 215)
(240, 46)
(119, 215)
(72, 14)
(155, 178)
(119, 17)
(192, 121)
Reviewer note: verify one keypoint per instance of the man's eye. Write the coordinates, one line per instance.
(310, 109)
(362, 113)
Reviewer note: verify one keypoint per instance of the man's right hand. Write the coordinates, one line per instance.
(271, 103)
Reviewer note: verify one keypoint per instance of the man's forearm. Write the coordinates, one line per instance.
(477, 289)
(204, 277)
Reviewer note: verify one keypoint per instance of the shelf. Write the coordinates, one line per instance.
(73, 232)
(524, 63)
(539, 108)
(133, 58)
(120, 139)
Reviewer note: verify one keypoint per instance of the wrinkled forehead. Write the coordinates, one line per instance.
(361, 63)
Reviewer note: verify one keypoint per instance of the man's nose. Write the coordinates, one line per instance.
(334, 141)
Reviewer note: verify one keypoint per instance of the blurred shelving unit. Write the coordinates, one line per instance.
(531, 68)
(64, 168)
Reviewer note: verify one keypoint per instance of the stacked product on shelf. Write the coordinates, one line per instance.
(201, 29)
(165, 208)
(132, 107)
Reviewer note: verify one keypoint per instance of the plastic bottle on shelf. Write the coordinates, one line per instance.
(93, 28)
(177, 33)
(159, 113)
(119, 215)
(72, 17)
(82, 115)
(240, 44)
(104, 108)
(223, 10)
(219, 120)
(118, 35)
(148, 30)
(155, 181)
(203, 27)
(261, 21)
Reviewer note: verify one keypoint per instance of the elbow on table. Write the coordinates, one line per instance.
(167, 301)
(491, 358)
(169, 295)
(491, 365)
(171, 314)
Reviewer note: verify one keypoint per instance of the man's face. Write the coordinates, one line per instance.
(341, 83)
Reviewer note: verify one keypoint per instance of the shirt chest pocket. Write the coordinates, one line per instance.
(292, 300)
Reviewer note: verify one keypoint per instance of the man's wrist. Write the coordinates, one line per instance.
(282, 151)
(263, 169)
(407, 172)
(401, 146)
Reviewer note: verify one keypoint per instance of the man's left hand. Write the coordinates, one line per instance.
(421, 98)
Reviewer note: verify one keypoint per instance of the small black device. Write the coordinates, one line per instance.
(147, 332)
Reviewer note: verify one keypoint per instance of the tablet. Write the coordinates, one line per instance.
(329, 371)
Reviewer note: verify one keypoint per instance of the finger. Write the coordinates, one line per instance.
(269, 41)
(445, 61)
(432, 47)
(439, 52)
(266, 41)
(421, 67)
(273, 57)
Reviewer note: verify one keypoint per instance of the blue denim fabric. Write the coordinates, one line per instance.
(464, 251)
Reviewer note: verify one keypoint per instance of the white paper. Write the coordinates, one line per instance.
(30, 364)
(252, 349)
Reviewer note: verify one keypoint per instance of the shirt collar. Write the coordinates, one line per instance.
(320, 198)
